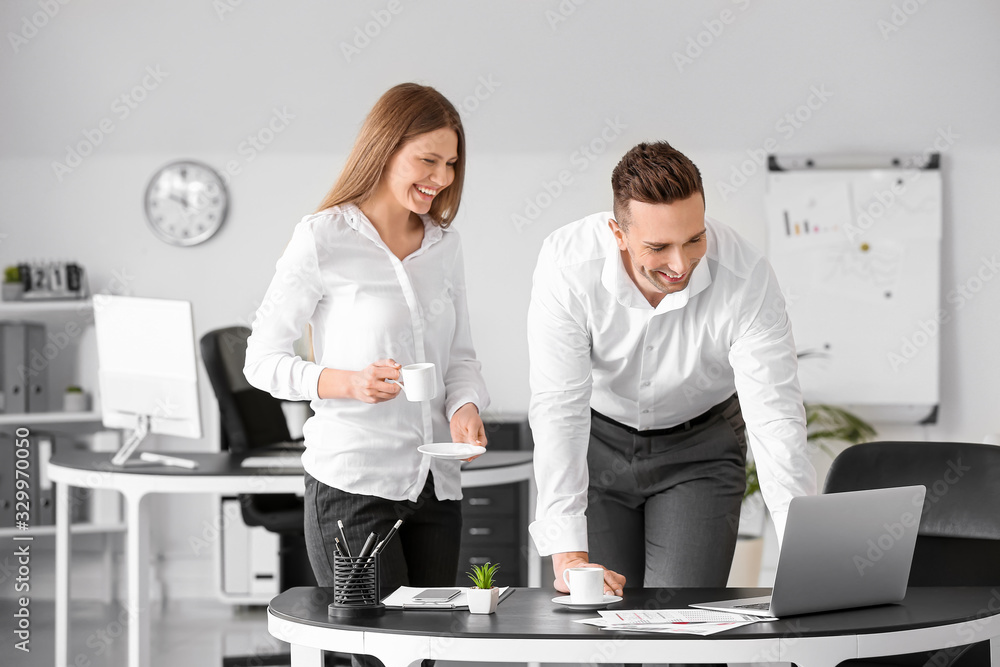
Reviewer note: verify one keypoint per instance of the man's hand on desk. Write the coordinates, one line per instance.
(613, 582)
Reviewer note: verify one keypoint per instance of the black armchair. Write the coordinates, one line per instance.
(958, 542)
(252, 419)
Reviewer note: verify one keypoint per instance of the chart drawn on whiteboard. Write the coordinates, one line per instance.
(857, 254)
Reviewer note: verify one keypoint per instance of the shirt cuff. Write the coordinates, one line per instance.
(310, 380)
(458, 399)
(560, 534)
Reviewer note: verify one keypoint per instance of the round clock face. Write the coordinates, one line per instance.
(186, 203)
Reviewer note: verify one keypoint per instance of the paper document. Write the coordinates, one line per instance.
(402, 598)
(672, 621)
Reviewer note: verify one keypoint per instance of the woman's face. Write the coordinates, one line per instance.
(421, 169)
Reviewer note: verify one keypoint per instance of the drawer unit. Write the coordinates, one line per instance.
(494, 518)
(489, 500)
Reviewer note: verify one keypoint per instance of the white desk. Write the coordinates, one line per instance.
(216, 474)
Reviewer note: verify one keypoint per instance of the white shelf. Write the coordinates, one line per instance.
(42, 306)
(75, 529)
(43, 418)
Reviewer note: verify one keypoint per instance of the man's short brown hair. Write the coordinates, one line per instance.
(653, 173)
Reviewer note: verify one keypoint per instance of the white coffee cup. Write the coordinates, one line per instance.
(418, 382)
(586, 584)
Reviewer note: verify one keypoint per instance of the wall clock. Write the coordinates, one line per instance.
(186, 203)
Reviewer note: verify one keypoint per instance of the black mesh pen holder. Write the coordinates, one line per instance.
(356, 587)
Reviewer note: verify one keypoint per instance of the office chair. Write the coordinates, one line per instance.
(252, 419)
(958, 542)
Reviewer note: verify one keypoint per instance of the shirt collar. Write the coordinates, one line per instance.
(616, 280)
(360, 223)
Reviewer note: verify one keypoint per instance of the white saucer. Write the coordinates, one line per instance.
(451, 450)
(564, 600)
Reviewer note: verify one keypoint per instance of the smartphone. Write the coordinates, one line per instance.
(436, 595)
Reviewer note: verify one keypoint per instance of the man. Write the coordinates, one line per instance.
(642, 330)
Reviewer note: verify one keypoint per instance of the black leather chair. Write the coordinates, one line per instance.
(253, 419)
(958, 542)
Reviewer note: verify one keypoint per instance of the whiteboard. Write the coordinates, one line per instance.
(857, 254)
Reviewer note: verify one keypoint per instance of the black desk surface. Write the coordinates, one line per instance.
(224, 463)
(530, 613)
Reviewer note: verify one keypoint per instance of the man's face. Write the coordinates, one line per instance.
(663, 244)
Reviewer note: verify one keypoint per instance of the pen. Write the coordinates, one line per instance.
(369, 543)
(388, 536)
(336, 543)
(343, 538)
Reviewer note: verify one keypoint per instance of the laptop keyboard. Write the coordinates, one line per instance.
(763, 606)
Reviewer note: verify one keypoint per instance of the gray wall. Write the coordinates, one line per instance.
(547, 90)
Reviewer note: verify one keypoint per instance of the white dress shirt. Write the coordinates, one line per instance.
(364, 304)
(595, 341)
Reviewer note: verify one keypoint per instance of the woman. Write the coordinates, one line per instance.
(379, 277)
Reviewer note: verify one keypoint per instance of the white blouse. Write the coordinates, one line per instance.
(365, 304)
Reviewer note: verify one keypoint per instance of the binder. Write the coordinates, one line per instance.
(44, 496)
(37, 378)
(7, 480)
(13, 387)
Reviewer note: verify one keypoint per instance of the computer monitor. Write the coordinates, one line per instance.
(147, 370)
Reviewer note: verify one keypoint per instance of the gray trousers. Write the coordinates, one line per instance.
(664, 506)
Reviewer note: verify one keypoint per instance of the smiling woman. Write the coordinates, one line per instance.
(379, 277)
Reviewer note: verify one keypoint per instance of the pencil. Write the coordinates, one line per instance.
(343, 538)
(388, 536)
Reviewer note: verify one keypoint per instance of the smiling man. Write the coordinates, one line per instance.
(659, 347)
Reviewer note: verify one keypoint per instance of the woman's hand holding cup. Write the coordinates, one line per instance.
(370, 384)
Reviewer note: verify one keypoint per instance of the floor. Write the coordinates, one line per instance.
(186, 634)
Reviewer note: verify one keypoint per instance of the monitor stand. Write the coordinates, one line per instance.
(138, 435)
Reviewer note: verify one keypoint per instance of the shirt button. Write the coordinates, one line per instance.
(645, 411)
(645, 384)
(649, 348)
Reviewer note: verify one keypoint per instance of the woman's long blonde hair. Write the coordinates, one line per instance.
(402, 113)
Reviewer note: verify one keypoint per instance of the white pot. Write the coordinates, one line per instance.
(483, 600)
(12, 291)
(74, 401)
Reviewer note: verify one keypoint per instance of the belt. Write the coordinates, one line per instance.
(703, 418)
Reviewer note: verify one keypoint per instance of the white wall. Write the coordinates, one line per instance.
(548, 84)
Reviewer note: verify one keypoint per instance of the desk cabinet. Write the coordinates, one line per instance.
(495, 518)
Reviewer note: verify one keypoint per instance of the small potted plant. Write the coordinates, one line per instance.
(75, 399)
(13, 288)
(483, 596)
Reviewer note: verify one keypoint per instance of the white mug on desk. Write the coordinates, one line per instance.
(418, 382)
(586, 584)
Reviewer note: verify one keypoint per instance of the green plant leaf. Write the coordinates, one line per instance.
(824, 424)
(482, 575)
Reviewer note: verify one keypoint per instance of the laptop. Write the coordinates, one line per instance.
(840, 551)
